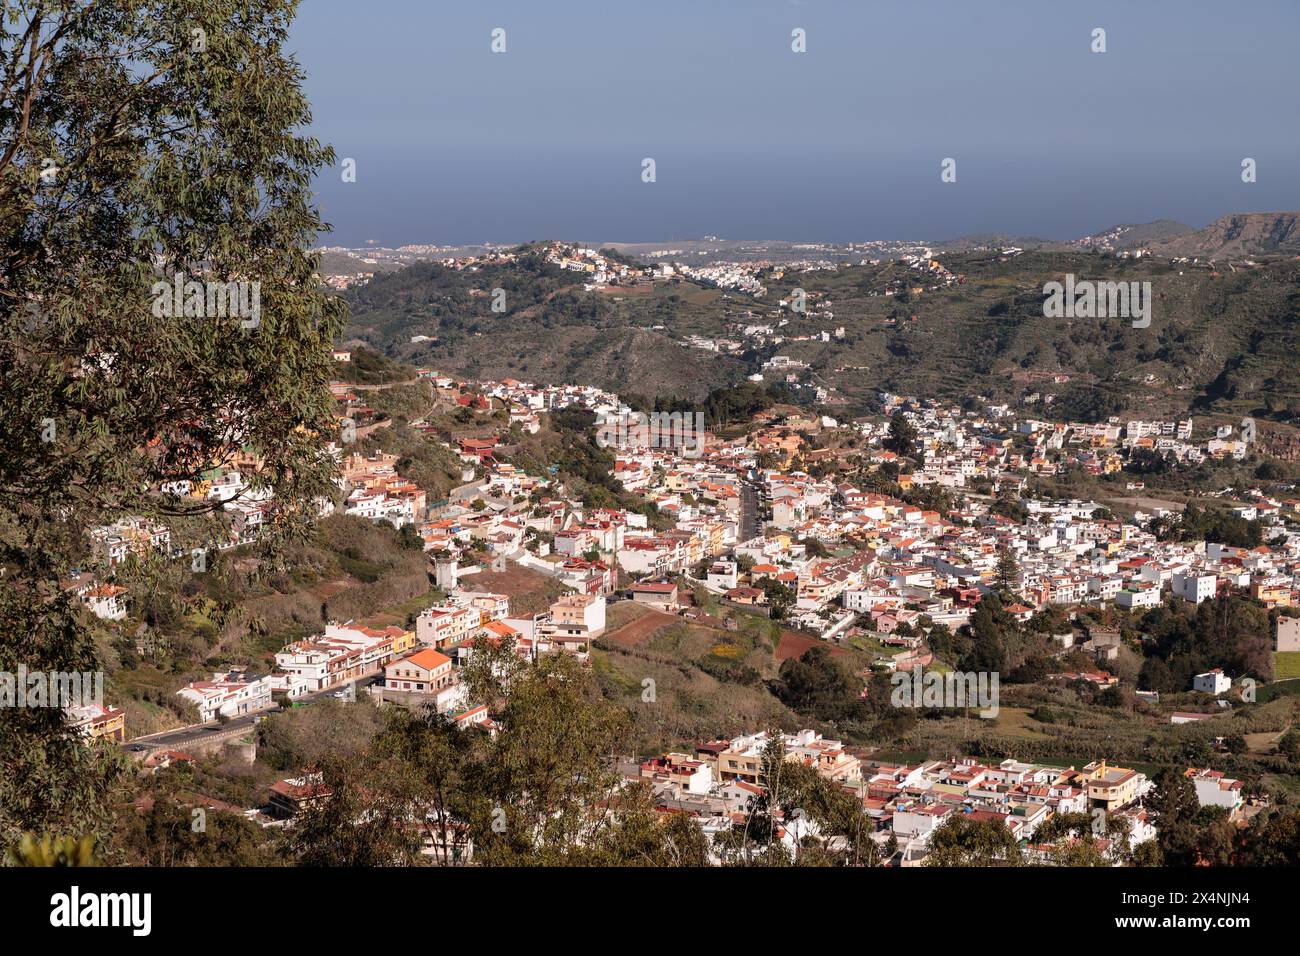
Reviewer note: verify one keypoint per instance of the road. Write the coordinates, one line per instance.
(749, 525)
(200, 733)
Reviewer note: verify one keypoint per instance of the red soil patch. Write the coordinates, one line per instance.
(328, 589)
(640, 630)
(793, 644)
(529, 591)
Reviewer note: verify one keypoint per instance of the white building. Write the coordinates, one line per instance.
(1194, 586)
(722, 575)
(916, 823)
(106, 601)
(1105, 587)
(578, 615)
(1213, 789)
(1138, 596)
(1212, 682)
(228, 694)
(1288, 634)
(343, 653)
(447, 624)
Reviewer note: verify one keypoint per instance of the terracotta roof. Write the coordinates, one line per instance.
(428, 658)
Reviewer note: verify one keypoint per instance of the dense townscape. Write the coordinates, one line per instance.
(760, 520)
(432, 452)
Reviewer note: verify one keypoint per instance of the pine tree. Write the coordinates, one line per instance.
(1007, 571)
(901, 439)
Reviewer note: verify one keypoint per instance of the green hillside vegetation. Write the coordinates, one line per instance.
(431, 465)
(551, 330)
(687, 681)
(1215, 343)
(243, 609)
(1220, 341)
(345, 264)
(368, 367)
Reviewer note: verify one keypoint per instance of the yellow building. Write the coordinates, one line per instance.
(1111, 788)
(1274, 592)
(96, 721)
(740, 766)
(403, 643)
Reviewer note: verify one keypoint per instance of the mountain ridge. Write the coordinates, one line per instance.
(1233, 234)
(1222, 339)
(1239, 234)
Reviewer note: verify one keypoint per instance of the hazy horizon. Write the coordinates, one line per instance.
(456, 144)
(331, 240)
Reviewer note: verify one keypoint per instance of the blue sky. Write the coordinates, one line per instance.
(454, 143)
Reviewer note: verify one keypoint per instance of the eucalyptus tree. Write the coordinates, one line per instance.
(159, 314)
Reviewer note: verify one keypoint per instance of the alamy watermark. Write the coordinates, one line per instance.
(237, 299)
(74, 908)
(1086, 299)
(954, 689)
(682, 431)
(61, 689)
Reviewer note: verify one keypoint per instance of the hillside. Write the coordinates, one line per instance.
(551, 331)
(1218, 341)
(1222, 339)
(1241, 234)
(334, 263)
(1134, 235)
